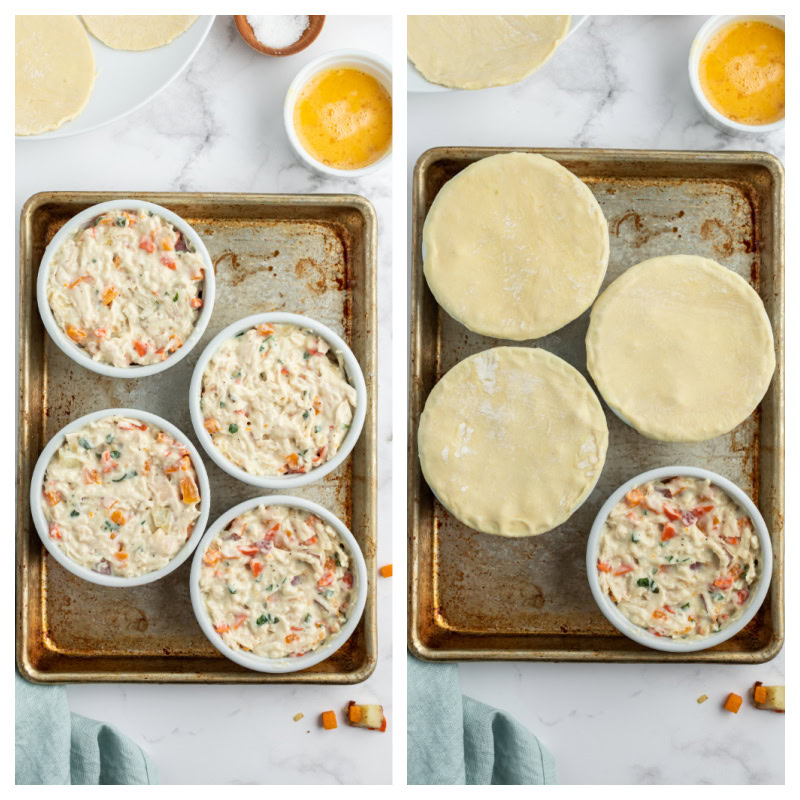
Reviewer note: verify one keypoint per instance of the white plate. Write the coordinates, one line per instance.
(416, 83)
(116, 94)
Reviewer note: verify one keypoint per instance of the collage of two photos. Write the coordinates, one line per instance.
(233, 398)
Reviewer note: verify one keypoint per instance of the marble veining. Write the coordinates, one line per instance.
(219, 127)
(617, 82)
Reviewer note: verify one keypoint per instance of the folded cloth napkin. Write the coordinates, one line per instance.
(455, 740)
(56, 747)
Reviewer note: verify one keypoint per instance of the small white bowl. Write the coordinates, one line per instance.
(39, 519)
(261, 663)
(354, 375)
(362, 60)
(639, 634)
(710, 28)
(69, 347)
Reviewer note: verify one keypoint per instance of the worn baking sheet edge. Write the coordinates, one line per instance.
(25, 455)
(414, 641)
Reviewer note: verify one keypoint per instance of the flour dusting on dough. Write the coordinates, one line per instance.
(486, 367)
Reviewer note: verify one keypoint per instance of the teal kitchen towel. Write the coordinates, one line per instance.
(455, 740)
(56, 747)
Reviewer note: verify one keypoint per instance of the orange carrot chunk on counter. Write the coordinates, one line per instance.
(386, 572)
(329, 720)
(733, 703)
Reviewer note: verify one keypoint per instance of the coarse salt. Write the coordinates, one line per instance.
(278, 30)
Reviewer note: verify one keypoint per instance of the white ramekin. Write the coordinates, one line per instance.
(354, 375)
(710, 28)
(37, 483)
(80, 356)
(362, 60)
(639, 634)
(278, 665)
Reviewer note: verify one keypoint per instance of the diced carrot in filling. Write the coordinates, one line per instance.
(189, 490)
(121, 556)
(118, 517)
(55, 533)
(668, 533)
(54, 497)
(256, 567)
(671, 513)
(265, 329)
(109, 295)
(211, 425)
(147, 244)
(326, 579)
(211, 557)
(634, 497)
(222, 627)
(76, 334)
(623, 569)
(92, 476)
(182, 464)
(169, 263)
(79, 280)
(198, 276)
(196, 302)
(292, 637)
(141, 349)
(603, 567)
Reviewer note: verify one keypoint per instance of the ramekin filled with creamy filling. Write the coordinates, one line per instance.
(126, 288)
(120, 496)
(278, 579)
(680, 557)
(274, 400)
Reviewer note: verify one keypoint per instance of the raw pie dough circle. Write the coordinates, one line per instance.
(137, 32)
(512, 440)
(477, 51)
(54, 72)
(681, 348)
(515, 246)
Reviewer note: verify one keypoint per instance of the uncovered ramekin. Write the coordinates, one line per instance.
(636, 632)
(39, 519)
(354, 376)
(710, 28)
(78, 355)
(362, 60)
(261, 663)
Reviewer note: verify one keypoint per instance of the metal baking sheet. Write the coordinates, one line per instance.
(310, 254)
(473, 596)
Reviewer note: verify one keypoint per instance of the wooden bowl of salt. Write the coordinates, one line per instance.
(276, 32)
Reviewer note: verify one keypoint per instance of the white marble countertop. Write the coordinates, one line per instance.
(617, 82)
(219, 127)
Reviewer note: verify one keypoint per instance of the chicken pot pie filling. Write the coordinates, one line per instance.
(278, 582)
(276, 401)
(120, 497)
(679, 557)
(126, 289)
